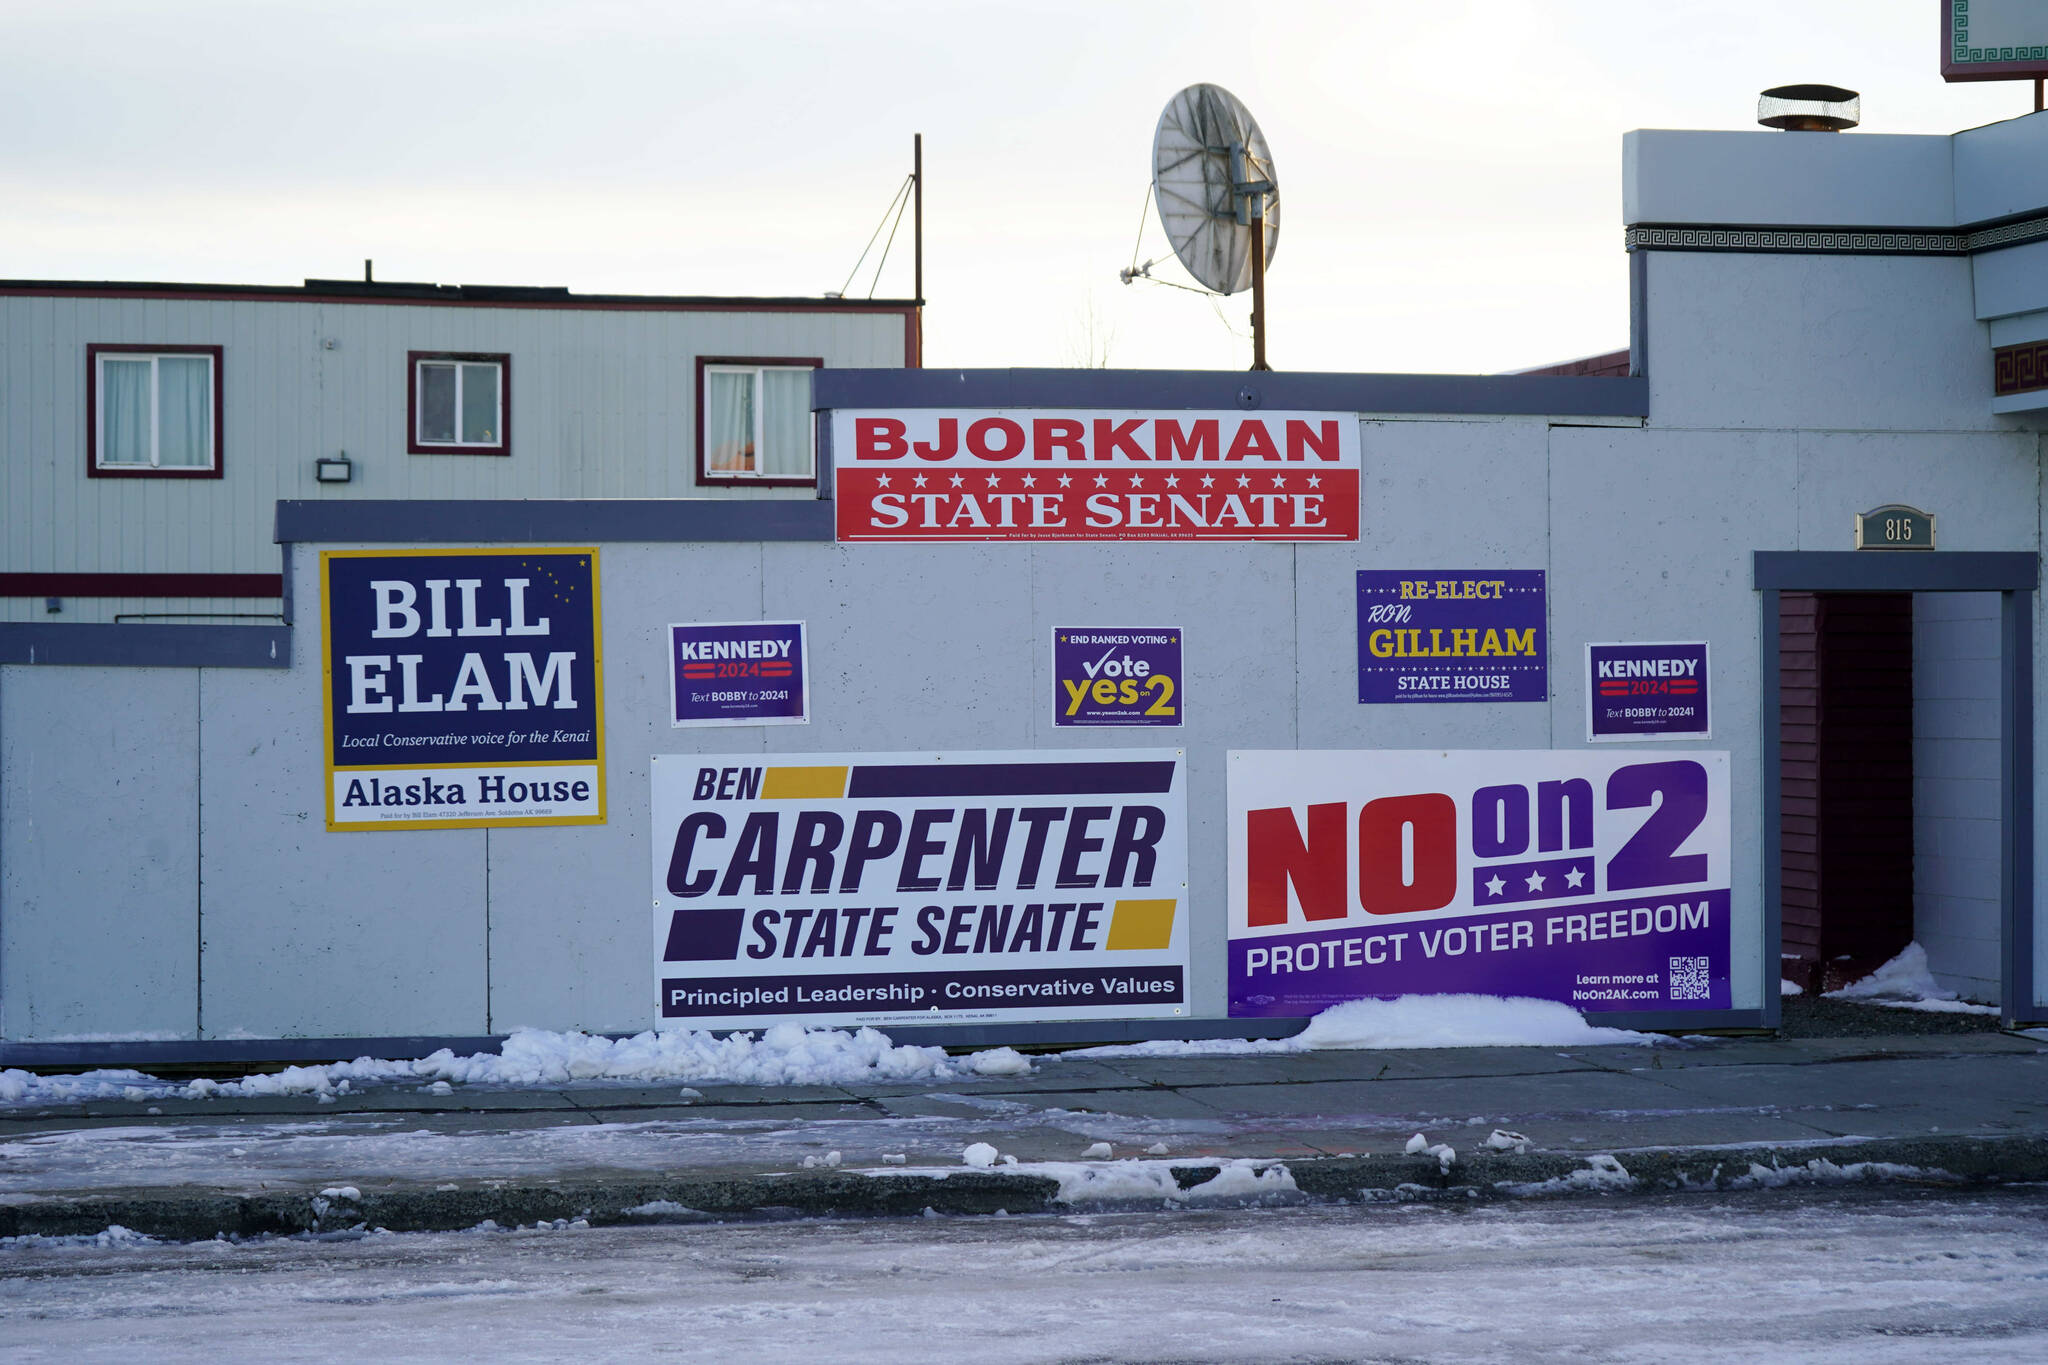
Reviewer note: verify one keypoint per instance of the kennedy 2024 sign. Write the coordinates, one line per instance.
(463, 688)
(920, 888)
(1596, 879)
(920, 475)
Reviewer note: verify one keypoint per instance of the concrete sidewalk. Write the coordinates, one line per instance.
(1699, 1114)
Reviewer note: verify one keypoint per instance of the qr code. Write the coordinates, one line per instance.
(1689, 978)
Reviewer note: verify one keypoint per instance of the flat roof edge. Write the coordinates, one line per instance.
(1365, 394)
(449, 296)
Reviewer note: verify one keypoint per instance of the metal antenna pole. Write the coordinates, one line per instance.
(917, 237)
(1258, 205)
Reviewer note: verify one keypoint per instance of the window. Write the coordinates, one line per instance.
(459, 404)
(754, 420)
(153, 411)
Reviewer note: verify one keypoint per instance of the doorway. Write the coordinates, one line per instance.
(1898, 774)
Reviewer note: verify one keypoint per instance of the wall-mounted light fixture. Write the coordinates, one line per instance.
(334, 468)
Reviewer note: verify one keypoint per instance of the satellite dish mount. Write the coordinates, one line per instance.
(1218, 197)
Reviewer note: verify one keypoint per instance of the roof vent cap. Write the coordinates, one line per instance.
(1809, 108)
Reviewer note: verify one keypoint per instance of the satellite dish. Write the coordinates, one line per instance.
(1217, 195)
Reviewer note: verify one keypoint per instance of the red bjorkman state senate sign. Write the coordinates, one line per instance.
(1044, 474)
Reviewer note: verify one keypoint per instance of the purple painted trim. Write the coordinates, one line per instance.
(93, 469)
(415, 446)
(706, 479)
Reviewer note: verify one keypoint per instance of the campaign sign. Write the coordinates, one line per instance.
(1106, 676)
(1600, 879)
(932, 474)
(1646, 691)
(463, 688)
(1465, 635)
(920, 888)
(738, 673)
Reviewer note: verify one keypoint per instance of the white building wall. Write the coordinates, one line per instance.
(99, 852)
(1956, 789)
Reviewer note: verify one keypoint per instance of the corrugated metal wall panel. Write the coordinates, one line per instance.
(603, 405)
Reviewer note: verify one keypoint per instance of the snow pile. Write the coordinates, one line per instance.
(1128, 1182)
(1821, 1171)
(979, 1154)
(1409, 1021)
(787, 1054)
(998, 1061)
(1602, 1174)
(1905, 983)
(1445, 1154)
(1501, 1140)
(1789, 987)
(114, 1236)
(22, 1087)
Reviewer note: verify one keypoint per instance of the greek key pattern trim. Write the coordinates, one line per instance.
(2019, 369)
(1837, 241)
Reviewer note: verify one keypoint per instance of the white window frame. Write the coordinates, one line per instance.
(99, 454)
(420, 407)
(810, 474)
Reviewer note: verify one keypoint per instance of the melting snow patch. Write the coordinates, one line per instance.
(1241, 1180)
(114, 1237)
(787, 1054)
(1821, 1171)
(1095, 1151)
(999, 1061)
(1601, 1174)
(1409, 1021)
(1501, 1140)
(1906, 983)
(979, 1154)
(1790, 987)
(663, 1208)
(895, 1158)
(1143, 1182)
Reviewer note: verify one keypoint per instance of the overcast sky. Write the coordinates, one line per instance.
(1450, 171)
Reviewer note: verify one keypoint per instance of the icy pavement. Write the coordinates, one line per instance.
(1787, 1279)
(432, 1156)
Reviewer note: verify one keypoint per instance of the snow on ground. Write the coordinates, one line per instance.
(787, 1054)
(1409, 1021)
(1905, 983)
(1789, 1279)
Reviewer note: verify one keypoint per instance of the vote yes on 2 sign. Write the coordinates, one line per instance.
(1117, 675)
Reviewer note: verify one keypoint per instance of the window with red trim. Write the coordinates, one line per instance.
(153, 411)
(458, 403)
(754, 421)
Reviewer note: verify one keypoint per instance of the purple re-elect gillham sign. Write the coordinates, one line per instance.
(1452, 635)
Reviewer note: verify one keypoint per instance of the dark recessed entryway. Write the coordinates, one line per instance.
(1898, 766)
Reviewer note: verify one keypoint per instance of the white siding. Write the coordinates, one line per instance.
(1955, 788)
(603, 405)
